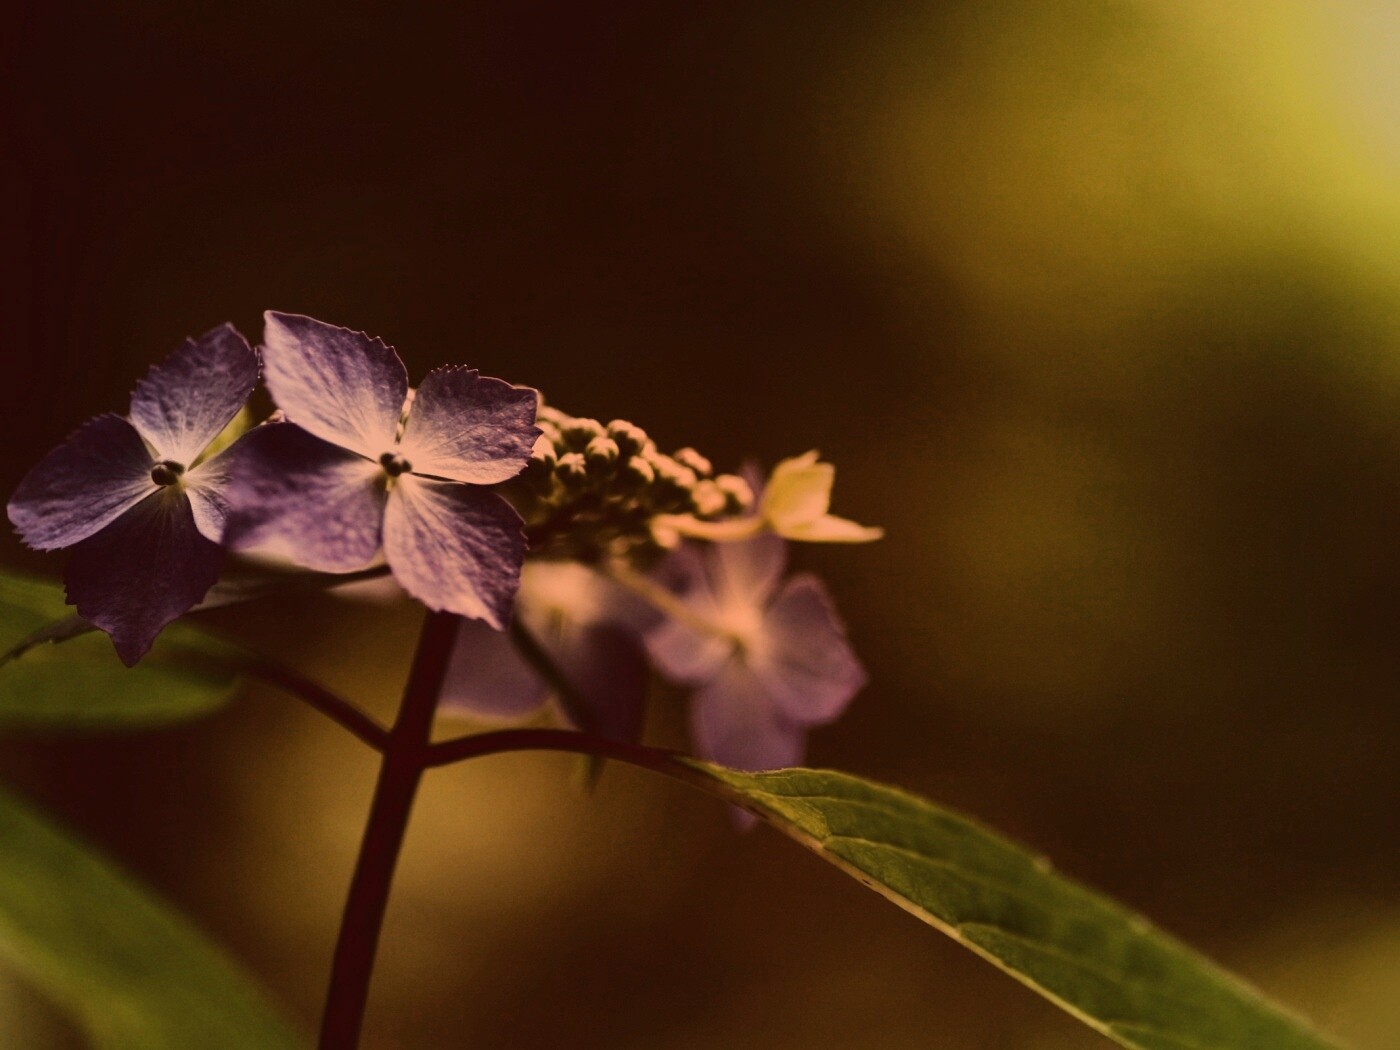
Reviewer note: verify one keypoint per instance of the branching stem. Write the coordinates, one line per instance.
(407, 752)
(317, 696)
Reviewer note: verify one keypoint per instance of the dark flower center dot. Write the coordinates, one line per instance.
(394, 464)
(167, 472)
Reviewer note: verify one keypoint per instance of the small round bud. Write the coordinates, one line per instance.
(708, 499)
(167, 472)
(666, 537)
(671, 474)
(671, 493)
(571, 470)
(738, 493)
(579, 432)
(630, 438)
(636, 473)
(601, 454)
(688, 457)
(394, 464)
(551, 415)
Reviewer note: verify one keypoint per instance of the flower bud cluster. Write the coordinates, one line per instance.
(592, 488)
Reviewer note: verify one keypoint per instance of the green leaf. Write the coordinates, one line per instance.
(1102, 963)
(131, 971)
(82, 684)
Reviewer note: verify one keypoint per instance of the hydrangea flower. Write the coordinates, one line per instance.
(349, 473)
(132, 497)
(768, 658)
(590, 628)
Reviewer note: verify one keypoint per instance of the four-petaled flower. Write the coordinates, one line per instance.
(130, 494)
(349, 473)
(769, 658)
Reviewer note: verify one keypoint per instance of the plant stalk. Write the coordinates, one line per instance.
(406, 754)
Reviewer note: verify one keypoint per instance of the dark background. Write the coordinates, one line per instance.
(1096, 306)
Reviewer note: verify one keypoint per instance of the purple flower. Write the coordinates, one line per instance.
(129, 494)
(349, 474)
(589, 627)
(769, 660)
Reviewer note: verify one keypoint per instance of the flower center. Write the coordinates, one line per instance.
(167, 472)
(394, 464)
(741, 622)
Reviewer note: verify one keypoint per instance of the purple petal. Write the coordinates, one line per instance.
(588, 625)
(100, 472)
(345, 387)
(682, 652)
(747, 571)
(488, 677)
(183, 403)
(805, 661)
(454, 547)
(607, 668)
(207, 487)
(144, 570)
(467, 428)
(734, 722)
(686, 655)
(303, 498)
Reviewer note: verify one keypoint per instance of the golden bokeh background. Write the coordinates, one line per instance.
(1095, 304)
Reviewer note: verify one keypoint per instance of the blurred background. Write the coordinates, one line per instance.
(1095, 304)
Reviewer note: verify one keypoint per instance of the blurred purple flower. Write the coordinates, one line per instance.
(143, 515)
(589, 626)
(347, 474)
(769, 660)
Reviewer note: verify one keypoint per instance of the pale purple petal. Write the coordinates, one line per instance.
(345, 387)
(734, 722)
(144, 570)
(207, 487)
(804, 659)
(454, 547)
(607, 667)
(588, 626)
(684, 654)
(183, 403)
(747, 571)
(90, 480)
(468, 428)
(487, 676)
(682, 651)
(306, 499)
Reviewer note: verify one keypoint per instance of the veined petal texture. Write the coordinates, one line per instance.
(143, 571)
(182, 404)
(466, 427)
(345, 387)
(100, 472)
(306, 499)
(454, 547)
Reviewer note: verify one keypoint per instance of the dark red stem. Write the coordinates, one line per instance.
(407, 752)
